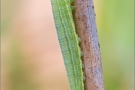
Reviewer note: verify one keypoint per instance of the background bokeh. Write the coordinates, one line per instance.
(30, 52)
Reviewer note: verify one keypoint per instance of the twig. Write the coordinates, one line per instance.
(84, 18)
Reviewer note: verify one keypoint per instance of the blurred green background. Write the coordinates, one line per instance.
(31, 58)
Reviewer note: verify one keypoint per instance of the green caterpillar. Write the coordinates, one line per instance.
(69, 43)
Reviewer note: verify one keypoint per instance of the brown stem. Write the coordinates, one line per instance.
(84, 18)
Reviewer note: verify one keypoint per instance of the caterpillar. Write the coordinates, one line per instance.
(69, 42)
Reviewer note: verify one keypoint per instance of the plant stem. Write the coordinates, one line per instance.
(86, 29)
